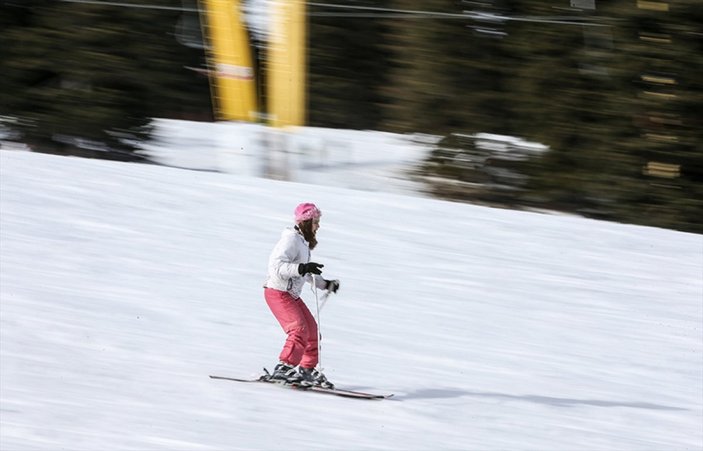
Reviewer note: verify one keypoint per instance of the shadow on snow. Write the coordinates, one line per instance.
(434, 393)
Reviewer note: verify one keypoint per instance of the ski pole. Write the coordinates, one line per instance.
(323, 300)
(319, 325)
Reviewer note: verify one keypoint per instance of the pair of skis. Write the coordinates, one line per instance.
(328, 391)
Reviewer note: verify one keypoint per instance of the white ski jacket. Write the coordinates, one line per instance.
(290, 251)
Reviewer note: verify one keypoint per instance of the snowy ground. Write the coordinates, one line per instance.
(124, 286)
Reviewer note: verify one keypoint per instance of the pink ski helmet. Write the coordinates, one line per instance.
(306, 211)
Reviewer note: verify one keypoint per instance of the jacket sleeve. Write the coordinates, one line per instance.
(283, 259)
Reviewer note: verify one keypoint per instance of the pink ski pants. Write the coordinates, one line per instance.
(298, 323)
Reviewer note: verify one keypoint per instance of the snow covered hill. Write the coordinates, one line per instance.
(123, 286)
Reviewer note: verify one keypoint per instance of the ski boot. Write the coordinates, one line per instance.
(286, 374)
(314, 378)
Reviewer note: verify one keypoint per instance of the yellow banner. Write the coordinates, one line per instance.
(231, 64)
(287, 64)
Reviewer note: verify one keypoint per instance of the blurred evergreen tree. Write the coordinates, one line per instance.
(87, 79)
(444, 75)
(620, 117)
(567, 97)
(346, 68)
(661, 59)
(618, 111)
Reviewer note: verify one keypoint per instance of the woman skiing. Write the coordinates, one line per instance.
(289, 267)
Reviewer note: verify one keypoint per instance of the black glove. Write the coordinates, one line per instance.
(312, 267)
(333, 285)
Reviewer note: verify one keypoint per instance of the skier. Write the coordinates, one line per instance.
(289, 267)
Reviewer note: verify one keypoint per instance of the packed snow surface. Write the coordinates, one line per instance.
(123, 286)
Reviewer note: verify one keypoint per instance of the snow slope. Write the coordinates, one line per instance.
(123, 286)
